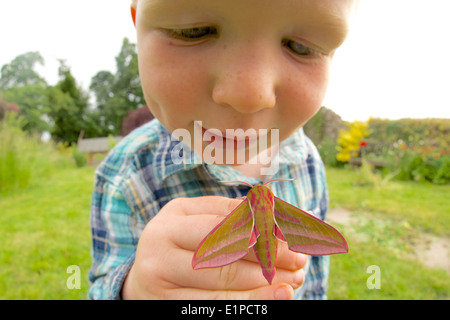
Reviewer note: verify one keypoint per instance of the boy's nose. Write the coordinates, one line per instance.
(246, 82)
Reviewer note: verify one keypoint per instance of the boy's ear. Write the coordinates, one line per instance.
(133, 14)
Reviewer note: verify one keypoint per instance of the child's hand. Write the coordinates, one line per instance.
(163, 265)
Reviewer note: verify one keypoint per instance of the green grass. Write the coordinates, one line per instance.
(424, 205)
(24, 158)
(391, 216)
(43, 230)
(400, 278)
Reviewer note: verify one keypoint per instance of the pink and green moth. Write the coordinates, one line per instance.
(258, 222)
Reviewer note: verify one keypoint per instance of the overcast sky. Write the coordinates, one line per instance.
(395, 63)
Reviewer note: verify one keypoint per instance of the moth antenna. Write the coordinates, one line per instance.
(234, 181)
(280, 179)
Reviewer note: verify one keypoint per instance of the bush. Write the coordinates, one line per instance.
(414, 166)
(418, 133)
(323, 129)
(23, 157)
(443, 174)
(349, 140)
(80, 158)
(412, 149)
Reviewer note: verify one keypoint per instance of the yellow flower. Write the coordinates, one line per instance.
(349, 140)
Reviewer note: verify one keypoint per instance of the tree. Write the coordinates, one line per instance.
(135, 119)
(118, 93)
(68, 107)
(6, 107)
(22, 85)
(33, 103)
(20, 71)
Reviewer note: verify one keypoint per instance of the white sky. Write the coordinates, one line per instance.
(395, 63)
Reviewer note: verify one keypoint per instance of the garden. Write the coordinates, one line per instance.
(392, 215)
(389, 186)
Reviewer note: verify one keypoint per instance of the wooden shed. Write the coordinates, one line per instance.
(96, 146)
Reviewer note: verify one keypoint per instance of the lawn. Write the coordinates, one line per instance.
(44, 229)
(390, 219)
(425, 206)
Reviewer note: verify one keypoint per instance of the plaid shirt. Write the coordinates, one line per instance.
(138, 178)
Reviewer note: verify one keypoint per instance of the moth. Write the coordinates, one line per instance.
(258, 222)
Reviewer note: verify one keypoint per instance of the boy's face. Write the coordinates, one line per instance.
(259, 64)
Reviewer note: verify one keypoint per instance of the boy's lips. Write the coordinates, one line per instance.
(225, 140)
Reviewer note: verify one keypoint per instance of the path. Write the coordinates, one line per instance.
(431, 250)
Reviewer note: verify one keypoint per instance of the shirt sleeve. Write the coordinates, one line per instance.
(115, 234)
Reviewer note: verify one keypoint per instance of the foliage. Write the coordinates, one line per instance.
(20, 71)
(135, 119)
(323, 129)
(413, 133)
(60, 109)
(349, 140)
(417, 149)
(21, 85)
(80, 158)
(328, 152)
(367, 176)
(14, 171)
(23, 157)
(413, 166)
(33, 105)
(68, 107)
(63, 109)
(6, 107)
(117, 94)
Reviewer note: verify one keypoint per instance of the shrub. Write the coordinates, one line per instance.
(323, 129)
(414, 166)
(80, 158)
(349, 140)
(443, 174)
(23, 157)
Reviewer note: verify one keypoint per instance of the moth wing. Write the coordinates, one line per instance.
(229, 241)
(305, 233)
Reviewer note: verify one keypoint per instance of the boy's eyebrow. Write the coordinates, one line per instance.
(150, 4)
(336, 20)
(337, 24)
(160, 8)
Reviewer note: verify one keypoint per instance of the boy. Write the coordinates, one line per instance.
(260, 66)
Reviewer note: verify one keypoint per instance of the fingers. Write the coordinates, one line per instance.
(273, 292)
(167, 244)
(240, 275)
(213, 205)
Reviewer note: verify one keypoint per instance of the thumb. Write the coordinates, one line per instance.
(280, 291)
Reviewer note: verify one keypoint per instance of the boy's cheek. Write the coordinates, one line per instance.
(303, 99)
(171, 90)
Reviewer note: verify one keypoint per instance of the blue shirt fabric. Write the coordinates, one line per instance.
(138, 178)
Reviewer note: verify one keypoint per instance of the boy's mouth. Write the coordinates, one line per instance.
(229, 139)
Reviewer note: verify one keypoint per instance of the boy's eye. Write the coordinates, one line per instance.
(195, 33)
(297, 48)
